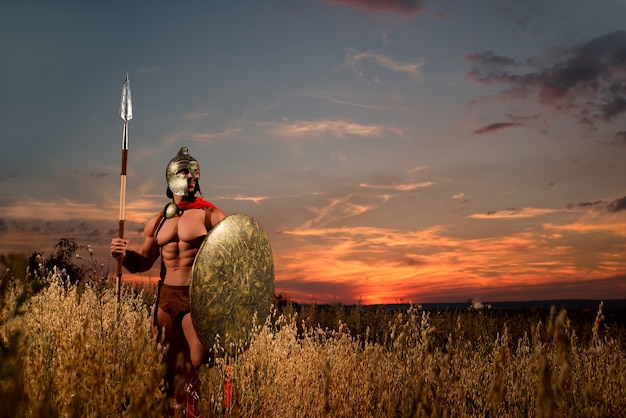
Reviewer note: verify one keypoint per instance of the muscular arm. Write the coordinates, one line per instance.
(148, 251)
(142, 259)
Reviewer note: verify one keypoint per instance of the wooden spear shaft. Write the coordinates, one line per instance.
(120, 234)
(126, 113)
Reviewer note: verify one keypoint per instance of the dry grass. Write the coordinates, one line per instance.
(80, 354)
(294, 371)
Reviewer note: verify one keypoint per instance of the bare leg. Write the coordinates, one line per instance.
(176, 357)
(197, 354)
(197, 350)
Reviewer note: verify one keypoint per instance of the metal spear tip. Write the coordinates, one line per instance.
(126, 107)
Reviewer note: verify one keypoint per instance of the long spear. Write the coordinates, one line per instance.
(126, 113)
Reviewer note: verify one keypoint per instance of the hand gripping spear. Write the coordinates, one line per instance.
(126, 113)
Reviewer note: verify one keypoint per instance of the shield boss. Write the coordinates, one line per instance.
(232, 278)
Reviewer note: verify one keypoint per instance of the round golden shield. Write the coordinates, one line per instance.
(232, 278)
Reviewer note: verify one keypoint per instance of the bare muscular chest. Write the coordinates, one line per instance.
(189, 229)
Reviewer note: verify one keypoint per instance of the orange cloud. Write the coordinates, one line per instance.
(323, 259)
(379, 265)
(406, 187)
(64, 209)
(323, 128)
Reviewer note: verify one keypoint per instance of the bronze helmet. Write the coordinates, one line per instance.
(177, 182)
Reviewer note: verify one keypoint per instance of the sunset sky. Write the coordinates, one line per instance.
(393, 151)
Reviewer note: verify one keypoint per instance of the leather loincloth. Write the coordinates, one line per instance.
(174, 300)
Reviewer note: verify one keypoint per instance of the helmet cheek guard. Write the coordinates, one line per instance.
(178, 171)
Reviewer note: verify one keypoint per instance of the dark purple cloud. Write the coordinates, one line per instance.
(511, 211)
(413, 261)
(615, 205)
(92, 174)
(495, 127)
(584, 205)
(490, 60)
(11, 176)
(404, 7)
(588, 82)
(613, 108)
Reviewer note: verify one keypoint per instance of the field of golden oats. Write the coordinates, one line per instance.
(73, 350)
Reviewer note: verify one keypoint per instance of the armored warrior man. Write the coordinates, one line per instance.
(175, 234)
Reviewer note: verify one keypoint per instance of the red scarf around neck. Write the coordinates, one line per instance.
(197, 203)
